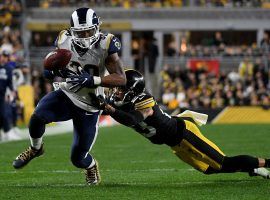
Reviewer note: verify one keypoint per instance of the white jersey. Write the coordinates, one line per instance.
(92, 61)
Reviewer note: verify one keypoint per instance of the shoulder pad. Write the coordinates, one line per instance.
(62, 37)
(110, 43)
(143, 101)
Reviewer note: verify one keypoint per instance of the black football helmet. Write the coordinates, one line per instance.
(135, 86)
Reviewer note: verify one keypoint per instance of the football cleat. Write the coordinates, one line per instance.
(92, 175)
(263, 172)
(26, 156)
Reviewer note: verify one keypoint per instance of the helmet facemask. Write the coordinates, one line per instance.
(127, 95)
(85, 37)
(121, 96)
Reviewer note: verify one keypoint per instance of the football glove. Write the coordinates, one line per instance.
(101, 102)
(63, 73)
(81, 81)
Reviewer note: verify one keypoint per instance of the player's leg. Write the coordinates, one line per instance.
(2, 106)
(53, 107)
(243, 163)
(9, 133)
(85, 133)
(197, 150)
(203, 152)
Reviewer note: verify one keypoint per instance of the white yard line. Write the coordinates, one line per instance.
(106, 170)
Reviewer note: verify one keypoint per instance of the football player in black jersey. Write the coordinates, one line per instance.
(134, 107)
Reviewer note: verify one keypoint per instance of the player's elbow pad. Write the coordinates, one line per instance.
(128, 119)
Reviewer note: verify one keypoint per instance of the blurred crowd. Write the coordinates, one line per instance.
(150, 3)
(217, 47)
(10, 11)
(195, 89)
(41, 86)
(213, 51)
(12, 57)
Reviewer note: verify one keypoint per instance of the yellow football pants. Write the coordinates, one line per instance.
(197, 150)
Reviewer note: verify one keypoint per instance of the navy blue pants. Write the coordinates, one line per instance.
(5, 123)
(55, 107)
(2, 112)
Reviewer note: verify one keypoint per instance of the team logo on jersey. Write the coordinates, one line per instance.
(117, 44)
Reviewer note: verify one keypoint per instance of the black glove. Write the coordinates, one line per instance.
(101, 102)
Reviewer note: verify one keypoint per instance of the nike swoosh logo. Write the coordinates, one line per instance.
(140, 98)
(86, 113)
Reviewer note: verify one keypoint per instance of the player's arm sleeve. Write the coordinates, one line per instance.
(114, 46)
(128, 119)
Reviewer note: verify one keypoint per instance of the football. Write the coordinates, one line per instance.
(57, 59)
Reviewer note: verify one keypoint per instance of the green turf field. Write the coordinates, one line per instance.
(133, 168)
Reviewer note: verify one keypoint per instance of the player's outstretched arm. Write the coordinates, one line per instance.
(128, 118)
(117, 75)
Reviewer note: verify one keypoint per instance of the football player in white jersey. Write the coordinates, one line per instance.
(92, 54)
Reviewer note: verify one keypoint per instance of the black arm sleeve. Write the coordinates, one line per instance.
(128, 119)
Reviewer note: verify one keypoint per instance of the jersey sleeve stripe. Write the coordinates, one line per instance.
(108, 42)
(148, 105)
(142, 102)
(59, 40)
(149, 101)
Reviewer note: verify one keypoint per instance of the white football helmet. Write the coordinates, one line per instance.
(84, 27)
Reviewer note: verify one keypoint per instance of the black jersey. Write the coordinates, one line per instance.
(159, 128)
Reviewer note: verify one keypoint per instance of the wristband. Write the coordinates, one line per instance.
(97, 80)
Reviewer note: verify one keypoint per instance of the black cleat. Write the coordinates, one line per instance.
(92, 175)
(26, 156)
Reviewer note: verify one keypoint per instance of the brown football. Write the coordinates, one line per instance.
(57, 59)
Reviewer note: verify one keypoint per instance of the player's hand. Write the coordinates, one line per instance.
(103, 105)
(109, 109)
(81, 81)
(101, 102)
(63, 73)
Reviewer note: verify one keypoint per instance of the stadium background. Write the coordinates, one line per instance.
(210, 56)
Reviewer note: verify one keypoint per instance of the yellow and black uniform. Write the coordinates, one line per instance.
(181, 135)
(138, 109)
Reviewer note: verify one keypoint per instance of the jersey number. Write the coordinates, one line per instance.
(91, 69)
